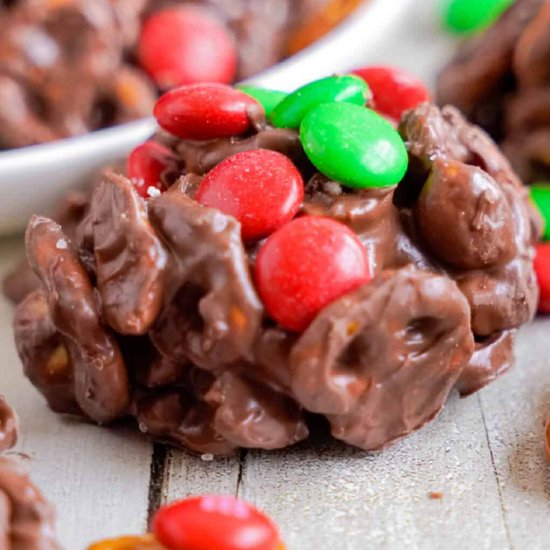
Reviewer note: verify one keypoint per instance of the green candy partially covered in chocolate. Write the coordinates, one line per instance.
(333, 89)
(353, 145)
(267, 98)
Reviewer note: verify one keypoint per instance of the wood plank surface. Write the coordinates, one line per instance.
(328, 495)
(515, 408)
(188, 474)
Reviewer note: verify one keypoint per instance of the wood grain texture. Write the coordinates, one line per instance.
(331, 496)
(515, 409)
(98, 478)
(188, 474)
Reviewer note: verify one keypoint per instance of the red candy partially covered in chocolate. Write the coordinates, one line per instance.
(394, 91)
(146, 166)
(205, 111)
(224, 306)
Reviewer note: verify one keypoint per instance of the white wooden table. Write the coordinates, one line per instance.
(484, 454)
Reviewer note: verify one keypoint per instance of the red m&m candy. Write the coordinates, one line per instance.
(184, 45)
(215, 523)
(261, 188)
(205, 111)
(307, 264)
(394, 91)
(542, 269)
(145, 166)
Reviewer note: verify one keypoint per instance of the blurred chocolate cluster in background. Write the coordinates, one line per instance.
(68, 67)
(501, 80)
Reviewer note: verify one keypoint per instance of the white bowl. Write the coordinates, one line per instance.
(33, 178)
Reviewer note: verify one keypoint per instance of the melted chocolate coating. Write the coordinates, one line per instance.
(44, 355)
(450, 250)
(369, 213)
(129, 259)
(213, 311)
(380, 361)
(500, 80)
(27, 520)
(100, 378)
(199, 156)
(482, 234)
(9, 426)
(491, 358)
(177, 417)
(249, 414)
(501, 297)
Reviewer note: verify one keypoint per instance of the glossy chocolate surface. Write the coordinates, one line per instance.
(149, 308)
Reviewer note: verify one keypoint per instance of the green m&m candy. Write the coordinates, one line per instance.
(268, 99)
(465, 16)
(348, 88)
(353, 145)
(540, 195)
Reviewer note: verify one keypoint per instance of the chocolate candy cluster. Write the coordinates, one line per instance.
(70, 67)
(500, 79)
(27, 520)
(63, 70)
(220, 320)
